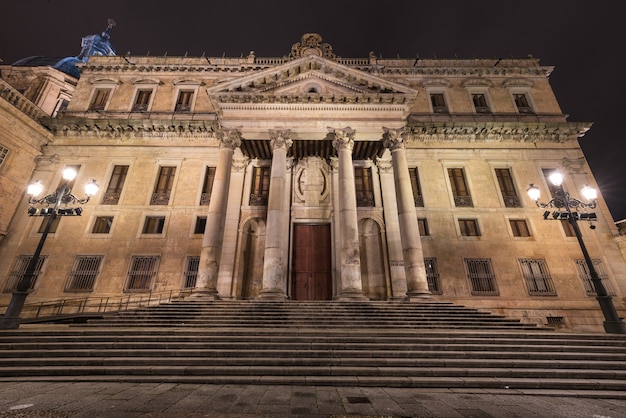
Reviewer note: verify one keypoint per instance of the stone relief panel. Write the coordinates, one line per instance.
(312, 182)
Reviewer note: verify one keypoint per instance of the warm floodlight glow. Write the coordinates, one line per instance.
(91, 188)
(69, 174)
(589, 193)
(35, 189)
(556, 178)
(533, 192)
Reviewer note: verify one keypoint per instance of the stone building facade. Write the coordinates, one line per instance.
(308, 176)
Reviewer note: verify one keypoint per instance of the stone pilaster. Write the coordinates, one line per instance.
(417, 283)
(206, 284)
(277, 237)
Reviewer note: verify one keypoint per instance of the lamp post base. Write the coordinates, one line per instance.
(11, 318)
(614, 327)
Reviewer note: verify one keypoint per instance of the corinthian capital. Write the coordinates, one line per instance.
(395, 138)
(343, 138)
(229, 138)
(281, 139)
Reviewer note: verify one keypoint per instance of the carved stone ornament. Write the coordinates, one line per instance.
(311, 44)
(229, 138)
(343, 138)
(281, 139)
(394, 138)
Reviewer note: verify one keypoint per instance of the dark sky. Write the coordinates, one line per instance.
(583, 40)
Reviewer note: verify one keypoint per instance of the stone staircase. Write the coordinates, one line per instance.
(425, 345)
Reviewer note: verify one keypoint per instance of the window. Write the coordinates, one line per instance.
(183, 103)
(200, 225)
(585, 276)
(469, 227)
(116, 183)
(423, 227)
(415, 185)
(260, 186)
(153, 225)
(480, 103)
(207, 186)
(191, 271)
(481, 277)
(507, 188)
(537, 277)
(141, 273)
(53, 226)
(522, 103)
(142, 101)
(519, 227)
(100, 99)
(19, 270)
(460, 192)
(3, 154)
(84, 272)
(163, 187)
(102, 225)
(363, 186)
(438, 102)
(568, 229)
(432, 275)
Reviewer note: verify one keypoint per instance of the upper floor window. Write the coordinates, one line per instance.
(417, 189)
(422, 225)
(469, 228)
(260, 186)
(142, 101)
(519, 227)
(460, 191)
(3, 154)
(100, 99)
(102, 225)
(507, 188)
(480, 103)
(438, 102)
(183, 102)
(200, 225)
(163, 187)
(522, 103)
(153, 225)
(363, 186)
(116, 183)
(207, 185)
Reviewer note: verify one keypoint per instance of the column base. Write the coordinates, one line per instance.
(351, 295)
(206, 294)
(10, 323)
(418, 296)
(614, 327)
(272, 295)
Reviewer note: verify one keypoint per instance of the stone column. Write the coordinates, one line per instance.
(417, 283)
(350, 258)
(206, 284)
(277, 231)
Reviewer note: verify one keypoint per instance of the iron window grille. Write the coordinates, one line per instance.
(481, 277)
(142, 271)
(432, 275)
(585, 276)
(507, 188)
(415, 185)
(537, 277)
(84, 273)
(19, 269)
(191, 271)
(207, 186)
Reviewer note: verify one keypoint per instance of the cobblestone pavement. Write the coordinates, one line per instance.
(159, 400)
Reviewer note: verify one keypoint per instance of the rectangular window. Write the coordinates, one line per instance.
(200, 225)
(507, 188)
(163, 187)
(53, 226)
(153, 225)
(116, 183)
(417, 189)
(100, 99)
(207, 185)
(585, 276)
(460, 191)
(191, 271)
(568, 229)
(260, 186)
(546, 174)
(438, 102)
(84, 272)
(537, 277)
(519, 228)
(19, 270)
(142, 101)
(481, 277)
(469, 227)
(141, 273)
(102, 225)
(522, 103)
(480, 103)
(432, 275)
(422, 225)
(364, 186)
(183, 103)
(3, 154)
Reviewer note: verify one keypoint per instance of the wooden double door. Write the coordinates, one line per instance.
(311, 263)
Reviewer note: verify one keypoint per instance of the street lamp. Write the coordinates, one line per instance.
(52, 208)
(562, 200)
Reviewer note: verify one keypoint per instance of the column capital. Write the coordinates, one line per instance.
(343, 138)
(394, 138)
(229, 138)
(384, 165)
(281, 139)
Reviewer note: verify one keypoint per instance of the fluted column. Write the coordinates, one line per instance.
(350, 258)
(206, 283)
(277, 236)
(417, 283)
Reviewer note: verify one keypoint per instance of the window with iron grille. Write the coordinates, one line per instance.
(153, 225)
(422, 225)
(3, 154)
(200, 225)
(519, 228)
(116, 183)
(585, 276)
(183, 103)
(142, 101)
(481, 277)
(191, 271)
(438, 102)
(100, 99)
(417, 189)
(19, 269)
(432, 275)
(480, 103)
(84, 273)
(102, 225)
(469, 228)
(142, 271)
(207, 185)
(537, 277)
(507, 188)
(364, 186)
(460, 191)
(522, 103)
(163, 187)
(260, 186)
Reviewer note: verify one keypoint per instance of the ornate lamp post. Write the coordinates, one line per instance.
(562, 200)
(62, 196)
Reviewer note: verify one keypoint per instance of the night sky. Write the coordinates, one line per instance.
(582, 40)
